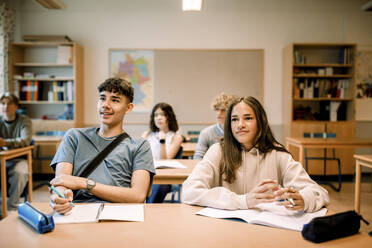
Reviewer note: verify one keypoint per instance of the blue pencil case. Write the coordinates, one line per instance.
(41, 222)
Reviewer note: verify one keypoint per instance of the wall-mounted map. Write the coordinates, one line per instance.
(137, 66)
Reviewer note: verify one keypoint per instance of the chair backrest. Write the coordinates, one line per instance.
(179, 153)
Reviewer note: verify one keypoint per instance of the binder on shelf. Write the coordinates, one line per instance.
(55, 91)
(36, 91)
(316, 89)
(60, 90)
(70, 90)
(64, 55)
(28, 90)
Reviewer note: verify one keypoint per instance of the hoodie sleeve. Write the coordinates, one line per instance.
(294, 175)
(203, 188)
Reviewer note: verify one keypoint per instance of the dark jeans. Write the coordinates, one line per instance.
(159, 191)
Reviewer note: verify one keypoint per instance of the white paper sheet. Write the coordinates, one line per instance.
(170, 164)
(85, 213)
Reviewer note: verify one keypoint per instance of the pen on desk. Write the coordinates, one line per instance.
(59, 194)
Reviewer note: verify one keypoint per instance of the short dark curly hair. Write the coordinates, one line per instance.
(118, 85)
(169, 114)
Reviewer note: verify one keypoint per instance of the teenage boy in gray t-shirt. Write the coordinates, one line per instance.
(123, 176)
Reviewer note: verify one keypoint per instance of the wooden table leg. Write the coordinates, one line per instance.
(3, 186)
(357, 186)
(29, 164)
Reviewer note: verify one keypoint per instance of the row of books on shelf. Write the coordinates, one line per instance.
(321, 71)
(326, 111)
(321, 88)
(345, 57)
(32, 90)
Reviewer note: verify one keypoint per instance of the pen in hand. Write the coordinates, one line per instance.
(291, 201)
(59, 194)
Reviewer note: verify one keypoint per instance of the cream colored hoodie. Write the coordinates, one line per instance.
(203, 186)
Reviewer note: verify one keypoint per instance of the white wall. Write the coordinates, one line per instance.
(264, 24)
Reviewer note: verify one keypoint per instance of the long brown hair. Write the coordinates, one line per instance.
(169, 114)
(232, 149)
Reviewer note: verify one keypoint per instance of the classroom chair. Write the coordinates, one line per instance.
(25, 190)
(325, 158)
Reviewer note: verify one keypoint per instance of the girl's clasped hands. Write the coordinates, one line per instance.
(269, 190)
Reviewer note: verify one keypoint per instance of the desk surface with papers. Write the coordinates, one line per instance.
(165, 225)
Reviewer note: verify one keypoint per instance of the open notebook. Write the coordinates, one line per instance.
(94, 212)
(171, 164)
(268, 214)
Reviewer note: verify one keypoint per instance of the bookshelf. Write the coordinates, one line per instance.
(319, 96)
(48, 79)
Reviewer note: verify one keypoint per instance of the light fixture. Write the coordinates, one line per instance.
(52, 4)
(192, 5)
(367, 6)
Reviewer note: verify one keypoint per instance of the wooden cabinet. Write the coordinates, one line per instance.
(48, 78)
(318, 96)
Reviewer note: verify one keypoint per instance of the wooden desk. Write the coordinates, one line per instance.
(9, 154)
(188, 149)
(165, 225)
(302, 143)
(361, 160)
(175, 176)
(47, 140)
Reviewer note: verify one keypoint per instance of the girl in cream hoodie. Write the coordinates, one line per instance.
(250, 167)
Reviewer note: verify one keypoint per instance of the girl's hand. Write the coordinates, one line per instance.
(262, 193)
(290, 198)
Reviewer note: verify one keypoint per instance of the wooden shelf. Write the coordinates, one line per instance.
(322, 99)
(46, 102)
(42, 44)
(47, 79)
(42, 65)
(40, 59)
(322, 65)
(321, 76)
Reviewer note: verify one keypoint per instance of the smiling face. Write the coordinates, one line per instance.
(244, 124)
(160, 119)
(112, 108)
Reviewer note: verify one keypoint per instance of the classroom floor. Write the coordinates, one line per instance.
(340, 201)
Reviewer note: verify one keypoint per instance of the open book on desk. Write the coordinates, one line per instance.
(94, 212)
(168, 164)
(267, 214)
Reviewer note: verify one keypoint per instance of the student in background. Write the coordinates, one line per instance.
(125, 173)
(249, 167)
(210, 135)
(165, 142)
(15, 132)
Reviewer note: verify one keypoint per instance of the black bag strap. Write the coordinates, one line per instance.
(100, 156)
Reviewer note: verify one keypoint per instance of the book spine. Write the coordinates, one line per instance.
(55, 91)
(36, 94)
(28, 91)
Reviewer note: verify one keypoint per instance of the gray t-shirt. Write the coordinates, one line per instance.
(208, 136)
(80, 145)
(17, 133)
